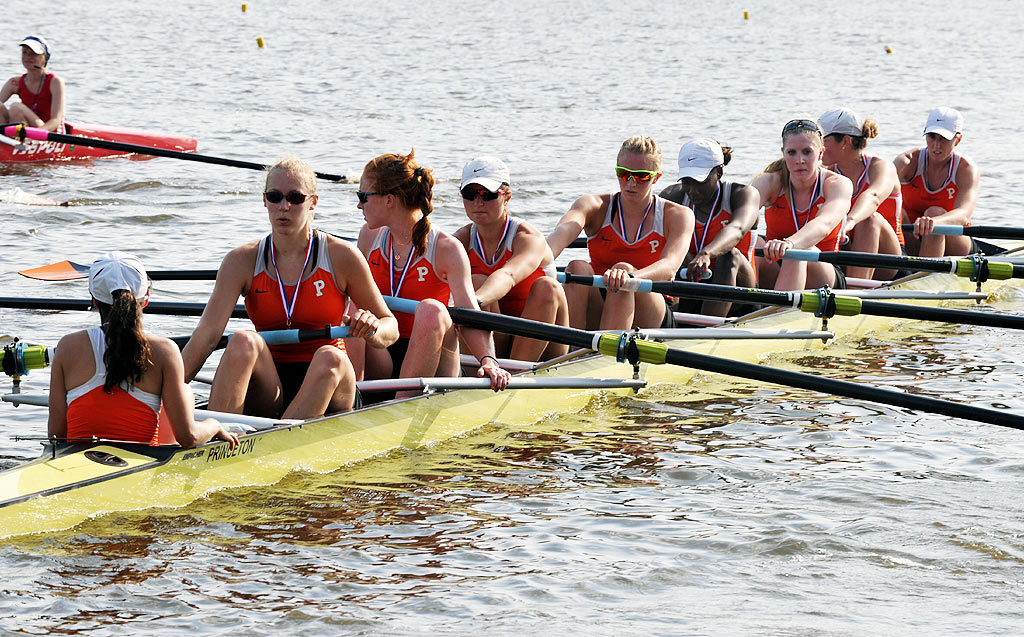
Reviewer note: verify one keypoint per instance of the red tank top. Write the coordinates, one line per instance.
(609, 245)
(891, 207)
(718, 218)
(918, 197)
(416, 280)
(40, 103)
(126, 413)
(782, 219)
(479, 263)
(317, 303)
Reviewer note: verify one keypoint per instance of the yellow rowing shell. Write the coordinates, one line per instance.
(72, 482)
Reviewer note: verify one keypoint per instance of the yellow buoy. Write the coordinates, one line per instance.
(244, 7)
(259, 42)
(888, 49)
(746, 15)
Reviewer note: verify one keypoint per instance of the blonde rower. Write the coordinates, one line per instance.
(511, 264)
(631, 233)
(805, 206)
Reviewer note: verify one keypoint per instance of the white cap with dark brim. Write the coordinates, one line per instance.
(945, 121)
(698, 158)
(117, 271)
(489, 172)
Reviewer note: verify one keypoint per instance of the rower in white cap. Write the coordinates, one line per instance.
(40, 91)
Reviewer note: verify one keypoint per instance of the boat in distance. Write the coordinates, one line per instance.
(31, 150)
(75, 480)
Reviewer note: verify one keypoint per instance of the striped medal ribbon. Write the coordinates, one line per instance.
(290, 307)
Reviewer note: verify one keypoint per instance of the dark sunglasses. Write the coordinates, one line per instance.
(801, 124)
(293, 196)
(363, 197)
(470, 194)
(625, 174)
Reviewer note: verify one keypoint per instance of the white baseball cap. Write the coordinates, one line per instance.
(842, 121)
(945, 121)
(37, 44)
(117, 271)
(698, 158)
(489, 172)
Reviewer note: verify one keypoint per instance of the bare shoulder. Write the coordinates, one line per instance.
(74, 344)
(905, 161)
(591, 203)
(162, 348)
(676, 209)
(674, 192)
(462, 234)
(835, 180)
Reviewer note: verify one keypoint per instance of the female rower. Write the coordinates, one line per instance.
(109, 381)
(509, 259)
(295, 277)
(41, 92)
(952, 200)
(725, 213)
(874, 221)
(631, 233)
(411, 260)
(805, 205)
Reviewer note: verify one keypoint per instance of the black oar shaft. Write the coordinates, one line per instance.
(942, 314)
(175, 308)
(983, 232)
(164, 152)
(182, 275)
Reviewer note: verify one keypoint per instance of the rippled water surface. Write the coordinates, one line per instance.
(715, 507)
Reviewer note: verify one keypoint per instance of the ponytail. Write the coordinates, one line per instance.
(127, 355)
(778, 166)
(412, 184)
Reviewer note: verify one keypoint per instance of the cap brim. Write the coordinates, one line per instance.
(490, 184)
(945, 132)
(36, 47)
(695, 172)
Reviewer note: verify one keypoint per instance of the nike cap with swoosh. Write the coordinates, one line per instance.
(699, 157)
(945, 121)
(489, 172)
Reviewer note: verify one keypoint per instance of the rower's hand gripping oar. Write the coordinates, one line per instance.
(822, 302)
(21, 132)
(635, 350)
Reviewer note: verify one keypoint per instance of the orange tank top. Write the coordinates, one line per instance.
(416, 280)
(719, 217)
(126, 413)
(891, 207)
(610, 245)
(315, 303)
(782, 219)
(918, 197)
(480, 263)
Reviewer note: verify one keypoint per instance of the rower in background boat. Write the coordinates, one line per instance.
(512, 267)
(411, 260)
(952, 199)
(631, 233)
(725, 214)
(296, 277)
(41, 92)
(874, 221)
(110, 381)
(805, 206)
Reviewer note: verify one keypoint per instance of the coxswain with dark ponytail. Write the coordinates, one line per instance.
(109, 381)
(40, 90)
(411, 260)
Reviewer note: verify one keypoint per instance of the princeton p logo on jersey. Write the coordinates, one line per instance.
(422, 272)
(951, 192)
(319, 286)
(654, 245)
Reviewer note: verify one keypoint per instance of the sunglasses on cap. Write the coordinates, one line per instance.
(293, 196)
(625, 174)
(364, 196)
(469, 193)
(801, 124)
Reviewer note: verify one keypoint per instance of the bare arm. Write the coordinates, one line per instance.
(573, 223)
(178, 401)
(372, 321)
(10, 88)
(967, 179)
(57, 90)
(906, 165)
(57, 424)
(883, 179)
(744, 202)
(232, 277)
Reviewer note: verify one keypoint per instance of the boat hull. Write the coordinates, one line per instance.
(72, 482)
(39, 151)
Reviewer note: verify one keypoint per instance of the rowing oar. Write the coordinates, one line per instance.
(70, 271)
(975, 268)
(635, 350)
(21, 132)
(981, 232)
(175, 308)
(823, 305)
